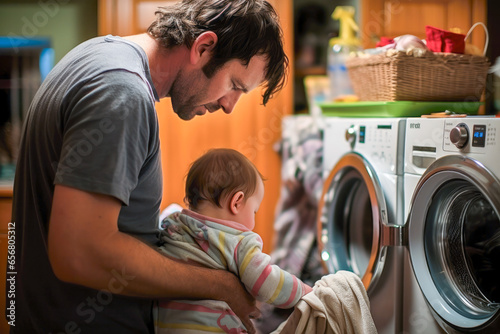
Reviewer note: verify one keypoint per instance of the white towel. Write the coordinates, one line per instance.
(337, 304)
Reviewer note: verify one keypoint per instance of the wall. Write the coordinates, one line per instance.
(66, 22)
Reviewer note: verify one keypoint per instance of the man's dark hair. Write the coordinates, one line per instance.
(244, 28)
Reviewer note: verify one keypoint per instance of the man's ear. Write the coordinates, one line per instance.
(202, 47)
(236, 202)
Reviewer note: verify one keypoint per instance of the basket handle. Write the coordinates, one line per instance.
(486, 32)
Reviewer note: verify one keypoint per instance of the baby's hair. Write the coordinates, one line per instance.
(217, 175)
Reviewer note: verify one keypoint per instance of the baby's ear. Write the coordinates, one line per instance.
(236, 202)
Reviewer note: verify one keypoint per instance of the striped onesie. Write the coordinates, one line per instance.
(220, 244)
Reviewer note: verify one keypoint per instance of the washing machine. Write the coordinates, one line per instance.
(360, 213)
(452, 209)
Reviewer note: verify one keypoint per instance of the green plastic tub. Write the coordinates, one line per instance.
(396, 108)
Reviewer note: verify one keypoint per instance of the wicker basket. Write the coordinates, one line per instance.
(431, 77)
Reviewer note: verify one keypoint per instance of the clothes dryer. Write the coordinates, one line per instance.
(360, 215)
(452, 204)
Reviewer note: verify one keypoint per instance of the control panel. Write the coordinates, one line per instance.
(376, 141)
(470, 135)
(379, 141)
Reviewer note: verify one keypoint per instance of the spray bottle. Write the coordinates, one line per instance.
(338, 51)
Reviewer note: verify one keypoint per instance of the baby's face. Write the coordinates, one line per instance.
(246, 215)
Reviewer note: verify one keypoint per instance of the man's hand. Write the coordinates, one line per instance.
(242, 303)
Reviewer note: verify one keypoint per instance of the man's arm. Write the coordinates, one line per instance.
(86, 248)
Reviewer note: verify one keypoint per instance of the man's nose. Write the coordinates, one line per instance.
(229, 101)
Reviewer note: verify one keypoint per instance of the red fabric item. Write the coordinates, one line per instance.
(384, 41)
(439, 40)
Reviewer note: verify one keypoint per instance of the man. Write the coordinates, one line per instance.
(88, 179)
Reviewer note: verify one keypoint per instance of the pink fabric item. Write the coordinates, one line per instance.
(439, 40)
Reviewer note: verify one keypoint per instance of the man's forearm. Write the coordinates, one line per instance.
(86, 248)
(130, 267)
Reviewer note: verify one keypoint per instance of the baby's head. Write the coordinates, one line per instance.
(223, 179)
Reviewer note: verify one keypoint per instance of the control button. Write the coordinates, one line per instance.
(459, 135)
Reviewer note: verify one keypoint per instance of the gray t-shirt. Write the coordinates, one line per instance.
(92, 126)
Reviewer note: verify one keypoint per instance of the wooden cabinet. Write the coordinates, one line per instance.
(393, 18)
(251, 128)
(127, 17)
(5, 217)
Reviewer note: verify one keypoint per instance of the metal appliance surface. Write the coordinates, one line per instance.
(360, 215)
(452, 210)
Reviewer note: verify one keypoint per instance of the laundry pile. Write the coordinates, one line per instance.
(338, 304)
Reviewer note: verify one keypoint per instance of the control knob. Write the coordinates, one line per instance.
(350, 135)
(459, 135)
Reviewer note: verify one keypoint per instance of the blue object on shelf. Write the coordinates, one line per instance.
(46, 62)
(7, 42)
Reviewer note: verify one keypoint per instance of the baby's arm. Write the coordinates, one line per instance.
(267, 283)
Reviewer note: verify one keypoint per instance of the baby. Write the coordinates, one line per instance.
(224, 191)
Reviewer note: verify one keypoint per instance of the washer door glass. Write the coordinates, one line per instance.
(462, 245)
(350, 224)
(349, 219)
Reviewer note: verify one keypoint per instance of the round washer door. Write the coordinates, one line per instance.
(351, 215)
(454, 244)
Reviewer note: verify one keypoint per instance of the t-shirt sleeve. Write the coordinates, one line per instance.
(106, 134)
(266, 282)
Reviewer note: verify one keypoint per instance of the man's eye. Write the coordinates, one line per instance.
(235, 86)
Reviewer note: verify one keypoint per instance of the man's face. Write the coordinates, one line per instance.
(192, 93)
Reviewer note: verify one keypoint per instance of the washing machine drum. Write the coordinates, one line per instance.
(454, 244)
(352, 214)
